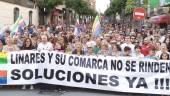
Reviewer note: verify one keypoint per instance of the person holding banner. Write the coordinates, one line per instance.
(127, 52)
(90, 49)
(45, 45)
(27, 45)
(164, 56)
(78, 49)
(104, 49)
(162, 50)
(116, 49)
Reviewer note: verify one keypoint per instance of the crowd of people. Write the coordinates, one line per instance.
(115, 40)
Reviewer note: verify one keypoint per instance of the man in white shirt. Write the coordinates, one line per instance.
(44, 44)
(128, 43)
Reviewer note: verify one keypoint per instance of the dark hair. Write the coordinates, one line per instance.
(137, 46)
(118, 47)
(8, 31)
(24, 45)
(127, 48)
(166, 54)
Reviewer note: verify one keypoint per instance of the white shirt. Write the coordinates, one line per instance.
(46, 46)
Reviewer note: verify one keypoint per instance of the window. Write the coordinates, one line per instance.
(16, 13)
(30, 17)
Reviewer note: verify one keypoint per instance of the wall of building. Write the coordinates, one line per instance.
(7, 13)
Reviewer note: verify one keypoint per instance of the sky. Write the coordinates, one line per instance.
(101, 5)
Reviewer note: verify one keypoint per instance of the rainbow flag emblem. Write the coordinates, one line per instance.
(3, 57)
(96, 29)
(3, 77)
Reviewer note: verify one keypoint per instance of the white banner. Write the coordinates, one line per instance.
(134, 75)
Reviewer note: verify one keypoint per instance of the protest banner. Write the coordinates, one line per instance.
(122, 74)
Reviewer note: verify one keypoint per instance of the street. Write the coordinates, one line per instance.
(69, 92)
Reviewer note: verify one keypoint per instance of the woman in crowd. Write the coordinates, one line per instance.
(104, 49)
(162, 50)
(116, 49)
(10, 46)
(27, 45)
(57, 46)
(164, 56)
(78, 49)
(167, 42)
(62, 42)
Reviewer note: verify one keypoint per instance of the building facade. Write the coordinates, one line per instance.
(11, 9)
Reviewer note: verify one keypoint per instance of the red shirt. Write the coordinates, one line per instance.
(145, 48)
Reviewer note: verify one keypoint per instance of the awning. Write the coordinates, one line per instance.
(166, 5)
(160, 19)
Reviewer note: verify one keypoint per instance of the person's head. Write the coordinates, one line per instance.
(116, 48)
(104, 46)
(164, 56)
(44, 38)
(7, 33)
(57, 46)
(27, 43)
(132, 38)
(152, 52)
(167, 41)
(137, 49)
(158, 45)
(146, 40)
(136, 43)
(163, 47)
(9, 41)
(98, 41)
(107, 37)
(87, 37)
(156, 37)
(127, 39)
(78, 46)
(127, 51)
(90, 49)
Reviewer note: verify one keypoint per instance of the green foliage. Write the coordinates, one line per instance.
(81, 7)
(48, 5)
(130, 5)
(116, 6)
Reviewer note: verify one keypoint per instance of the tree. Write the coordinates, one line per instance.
(116, 7)
(46, 6)
(131, 4)
(81, 7)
